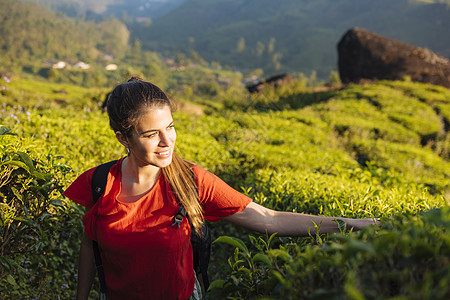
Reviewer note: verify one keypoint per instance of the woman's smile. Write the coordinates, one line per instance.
(164, 154)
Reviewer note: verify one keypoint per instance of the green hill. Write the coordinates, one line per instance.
(289, 36)
(32, 33)
(292, 35)
(34, 39)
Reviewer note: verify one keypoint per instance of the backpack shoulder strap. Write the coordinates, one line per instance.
(99, 178)
(201, 245)
(98, 184)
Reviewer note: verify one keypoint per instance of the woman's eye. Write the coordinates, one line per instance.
(150, 135)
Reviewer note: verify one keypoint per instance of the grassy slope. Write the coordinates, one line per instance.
(354, 152)
(396, 126)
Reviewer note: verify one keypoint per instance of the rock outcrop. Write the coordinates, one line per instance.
(364, 55)
(275, 81)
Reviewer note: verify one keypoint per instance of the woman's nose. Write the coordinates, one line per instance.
(164, 139)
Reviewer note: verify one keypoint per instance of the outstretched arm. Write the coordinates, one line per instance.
(258, 218)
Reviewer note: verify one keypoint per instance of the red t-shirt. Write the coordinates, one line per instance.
(143, 256)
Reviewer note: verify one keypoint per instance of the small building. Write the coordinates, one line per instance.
(111, 67)
(82, 65)
(59, 65)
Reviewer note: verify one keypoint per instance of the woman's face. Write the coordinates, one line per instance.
(153, 140)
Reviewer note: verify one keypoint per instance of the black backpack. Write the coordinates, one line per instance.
(201, 245)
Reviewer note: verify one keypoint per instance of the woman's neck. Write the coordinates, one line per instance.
(136, 181)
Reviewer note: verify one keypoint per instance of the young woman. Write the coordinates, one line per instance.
(143, 255)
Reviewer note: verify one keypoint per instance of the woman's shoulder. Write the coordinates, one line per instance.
(80, 190)
(204, 177)
(200, 172)
(196, 168)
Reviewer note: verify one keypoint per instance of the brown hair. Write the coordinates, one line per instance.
(125, 105)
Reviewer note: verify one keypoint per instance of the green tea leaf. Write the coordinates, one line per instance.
(6, 131)
(56, 203)
(25, 220)
(355, 246)
(233, 242)
(16, 193)
(27, 160)
(280, 253)
(11, 280)
(17, 164)
(263, 258)
(342, 225)
(216, 284)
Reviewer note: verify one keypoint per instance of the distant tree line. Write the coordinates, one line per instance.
(30, 32)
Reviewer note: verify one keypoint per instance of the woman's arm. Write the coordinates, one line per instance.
(86, 268)
(258, 218)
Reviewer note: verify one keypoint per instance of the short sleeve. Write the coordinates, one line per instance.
(217, 198)
(80, 190)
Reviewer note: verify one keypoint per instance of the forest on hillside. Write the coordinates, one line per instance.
(294, 36)
(30, 31)
(35, 39)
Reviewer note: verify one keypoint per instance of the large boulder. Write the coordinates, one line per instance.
(364, 55)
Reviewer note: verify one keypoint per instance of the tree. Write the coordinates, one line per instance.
(240, 47)
(271, 45)
(259, 49)
(334, 79)
(136, 51)
(195, 58)
(312, 80)
(276, 60)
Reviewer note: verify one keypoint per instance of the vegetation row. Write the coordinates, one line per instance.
(378, 150)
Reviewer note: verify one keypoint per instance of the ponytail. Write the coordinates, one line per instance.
(180, 176)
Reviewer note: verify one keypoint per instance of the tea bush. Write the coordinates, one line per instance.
(352, 193)
(83, 136)
(31, 93)
(404, 109)
(359, 118)
(419, 163)
(406, 259)
(354, 152)
(39, 228)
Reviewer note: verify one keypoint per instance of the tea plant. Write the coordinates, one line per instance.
(353, 152)
(37, 225)
(406, 259)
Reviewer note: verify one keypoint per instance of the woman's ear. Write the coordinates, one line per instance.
(122, 139)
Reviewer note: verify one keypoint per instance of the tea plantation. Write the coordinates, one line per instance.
(364, 151)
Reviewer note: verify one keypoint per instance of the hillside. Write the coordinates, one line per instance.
(293, 35)
(39, 43)
(106, 8)
(290, 36)
(75, 8)
(30, 32)
(378, 150)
